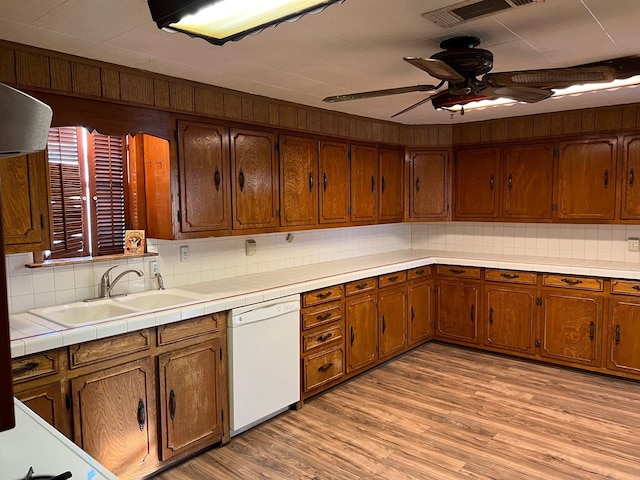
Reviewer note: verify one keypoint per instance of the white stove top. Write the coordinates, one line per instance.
(34, 443)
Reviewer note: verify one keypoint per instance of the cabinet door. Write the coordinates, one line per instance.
(476, 183)
(510, 318)
(571, 327)
(298, 181)
(203, 159)
(428, 184)
(255, 179)
(391, 196)
(25, 209)
(114, 415)
(392, 321)
(457, 311)
(586, 179)
(624, 335)
(49, 404)
(420, 298)
(335, 187)
(630, 208)
(364, 183)
(527, 182)
(190, 397)
(362, 331)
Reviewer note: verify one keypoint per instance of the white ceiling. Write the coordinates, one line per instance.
(352, 47)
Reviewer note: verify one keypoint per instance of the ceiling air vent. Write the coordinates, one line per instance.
(470, 9)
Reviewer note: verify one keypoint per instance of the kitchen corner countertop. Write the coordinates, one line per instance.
(32, 334)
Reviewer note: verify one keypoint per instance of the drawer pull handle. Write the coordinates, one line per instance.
(217, 179)
(491, 183)
(241, 180)
(384, 324)
(510, 182)
(420, 272)
(473, 312)
(326, 367)
(570, 281)
(510, 276)
(383, 185)
(617, 334)
(324, 295)
(457, 271)
(418, 184)
(606, 178)
(631, 177)
(325, 337)
(592, 328)
(310, 181)
(324, 316)
(636, 287)
(353, 336)
(325, 181)
(393, 279)
(27, 367)
(362, 285)
(491, 316)
(413, 313)
(373, 184)
(172, 404)
(142, 415)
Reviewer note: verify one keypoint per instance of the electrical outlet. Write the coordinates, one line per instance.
(153, 268)
(184, 253)
(633, 245)
(250, 247)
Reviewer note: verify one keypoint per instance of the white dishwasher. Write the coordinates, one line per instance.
(264, 361)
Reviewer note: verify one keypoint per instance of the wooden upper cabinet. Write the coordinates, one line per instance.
(527, 182)
(630, 208)
(25, 203)
(203, 159)
(587, 179)
(364, 183)
(298, 181)
(254, 164)
(428, 184)
(476, 183)
(334, 182)
(391, 185)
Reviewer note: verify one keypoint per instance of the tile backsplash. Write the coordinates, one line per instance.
(224, 257)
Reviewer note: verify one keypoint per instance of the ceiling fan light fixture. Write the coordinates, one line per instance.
(220, 21)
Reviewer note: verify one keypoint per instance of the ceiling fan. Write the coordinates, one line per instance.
(465, 68)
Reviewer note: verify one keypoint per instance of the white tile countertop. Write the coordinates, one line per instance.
(32, 334)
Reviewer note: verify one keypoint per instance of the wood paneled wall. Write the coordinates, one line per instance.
(37, 69)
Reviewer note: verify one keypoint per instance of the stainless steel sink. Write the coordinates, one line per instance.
(85, 313)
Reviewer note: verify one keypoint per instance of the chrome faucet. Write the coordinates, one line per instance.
(106, 285)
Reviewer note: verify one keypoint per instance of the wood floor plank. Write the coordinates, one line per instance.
(444, 413)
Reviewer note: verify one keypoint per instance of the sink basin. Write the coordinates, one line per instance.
(84, 313)
(158, 299)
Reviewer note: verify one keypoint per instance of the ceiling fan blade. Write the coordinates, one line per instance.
(625, 67)
(421, 102)
(521, 94)
(381, 93)
(552, 77)
(435, 68)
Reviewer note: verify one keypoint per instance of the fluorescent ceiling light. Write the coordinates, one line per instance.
(574, 90)
(219, 21)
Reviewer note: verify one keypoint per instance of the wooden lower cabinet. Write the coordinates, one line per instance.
(420, 314)
(362, 331)
(392, 320)
(624, 335)
(571, 326)
(510, 318)
(114, 416)
(48, 402)
(457, 309)
(191, 410)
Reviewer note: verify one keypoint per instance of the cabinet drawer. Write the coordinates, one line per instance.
(625, 287)
(321, 296)
(420, 272)
(35, 366)
(511, 276)
(320, 315)
(454, 271)
(567, 281)
(113, 347)
(391, 279)
(323, 368)
(360, 286)
(174, 332)
(323, 337)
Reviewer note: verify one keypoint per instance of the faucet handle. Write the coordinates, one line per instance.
(106, 280)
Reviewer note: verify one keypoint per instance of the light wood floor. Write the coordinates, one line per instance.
(443, 412)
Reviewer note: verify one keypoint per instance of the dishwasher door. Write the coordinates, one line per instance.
(264, 361)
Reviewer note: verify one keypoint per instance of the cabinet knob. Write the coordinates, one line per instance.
(491, 183)
(384, 324)
(510, 182)
(241, 180)
(142, 415)
(373, 184)
(325, 181)
(172, 404)
(606, 178)
(418, 184)
(491, 316)
(473, 312)
(217, 179)
(353, 336)
(592, 328)
(382, 184)
(617, 334)
(631, 177)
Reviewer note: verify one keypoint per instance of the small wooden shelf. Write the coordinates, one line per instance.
(78, 260)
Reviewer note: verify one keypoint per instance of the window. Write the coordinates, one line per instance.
(87, 192)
